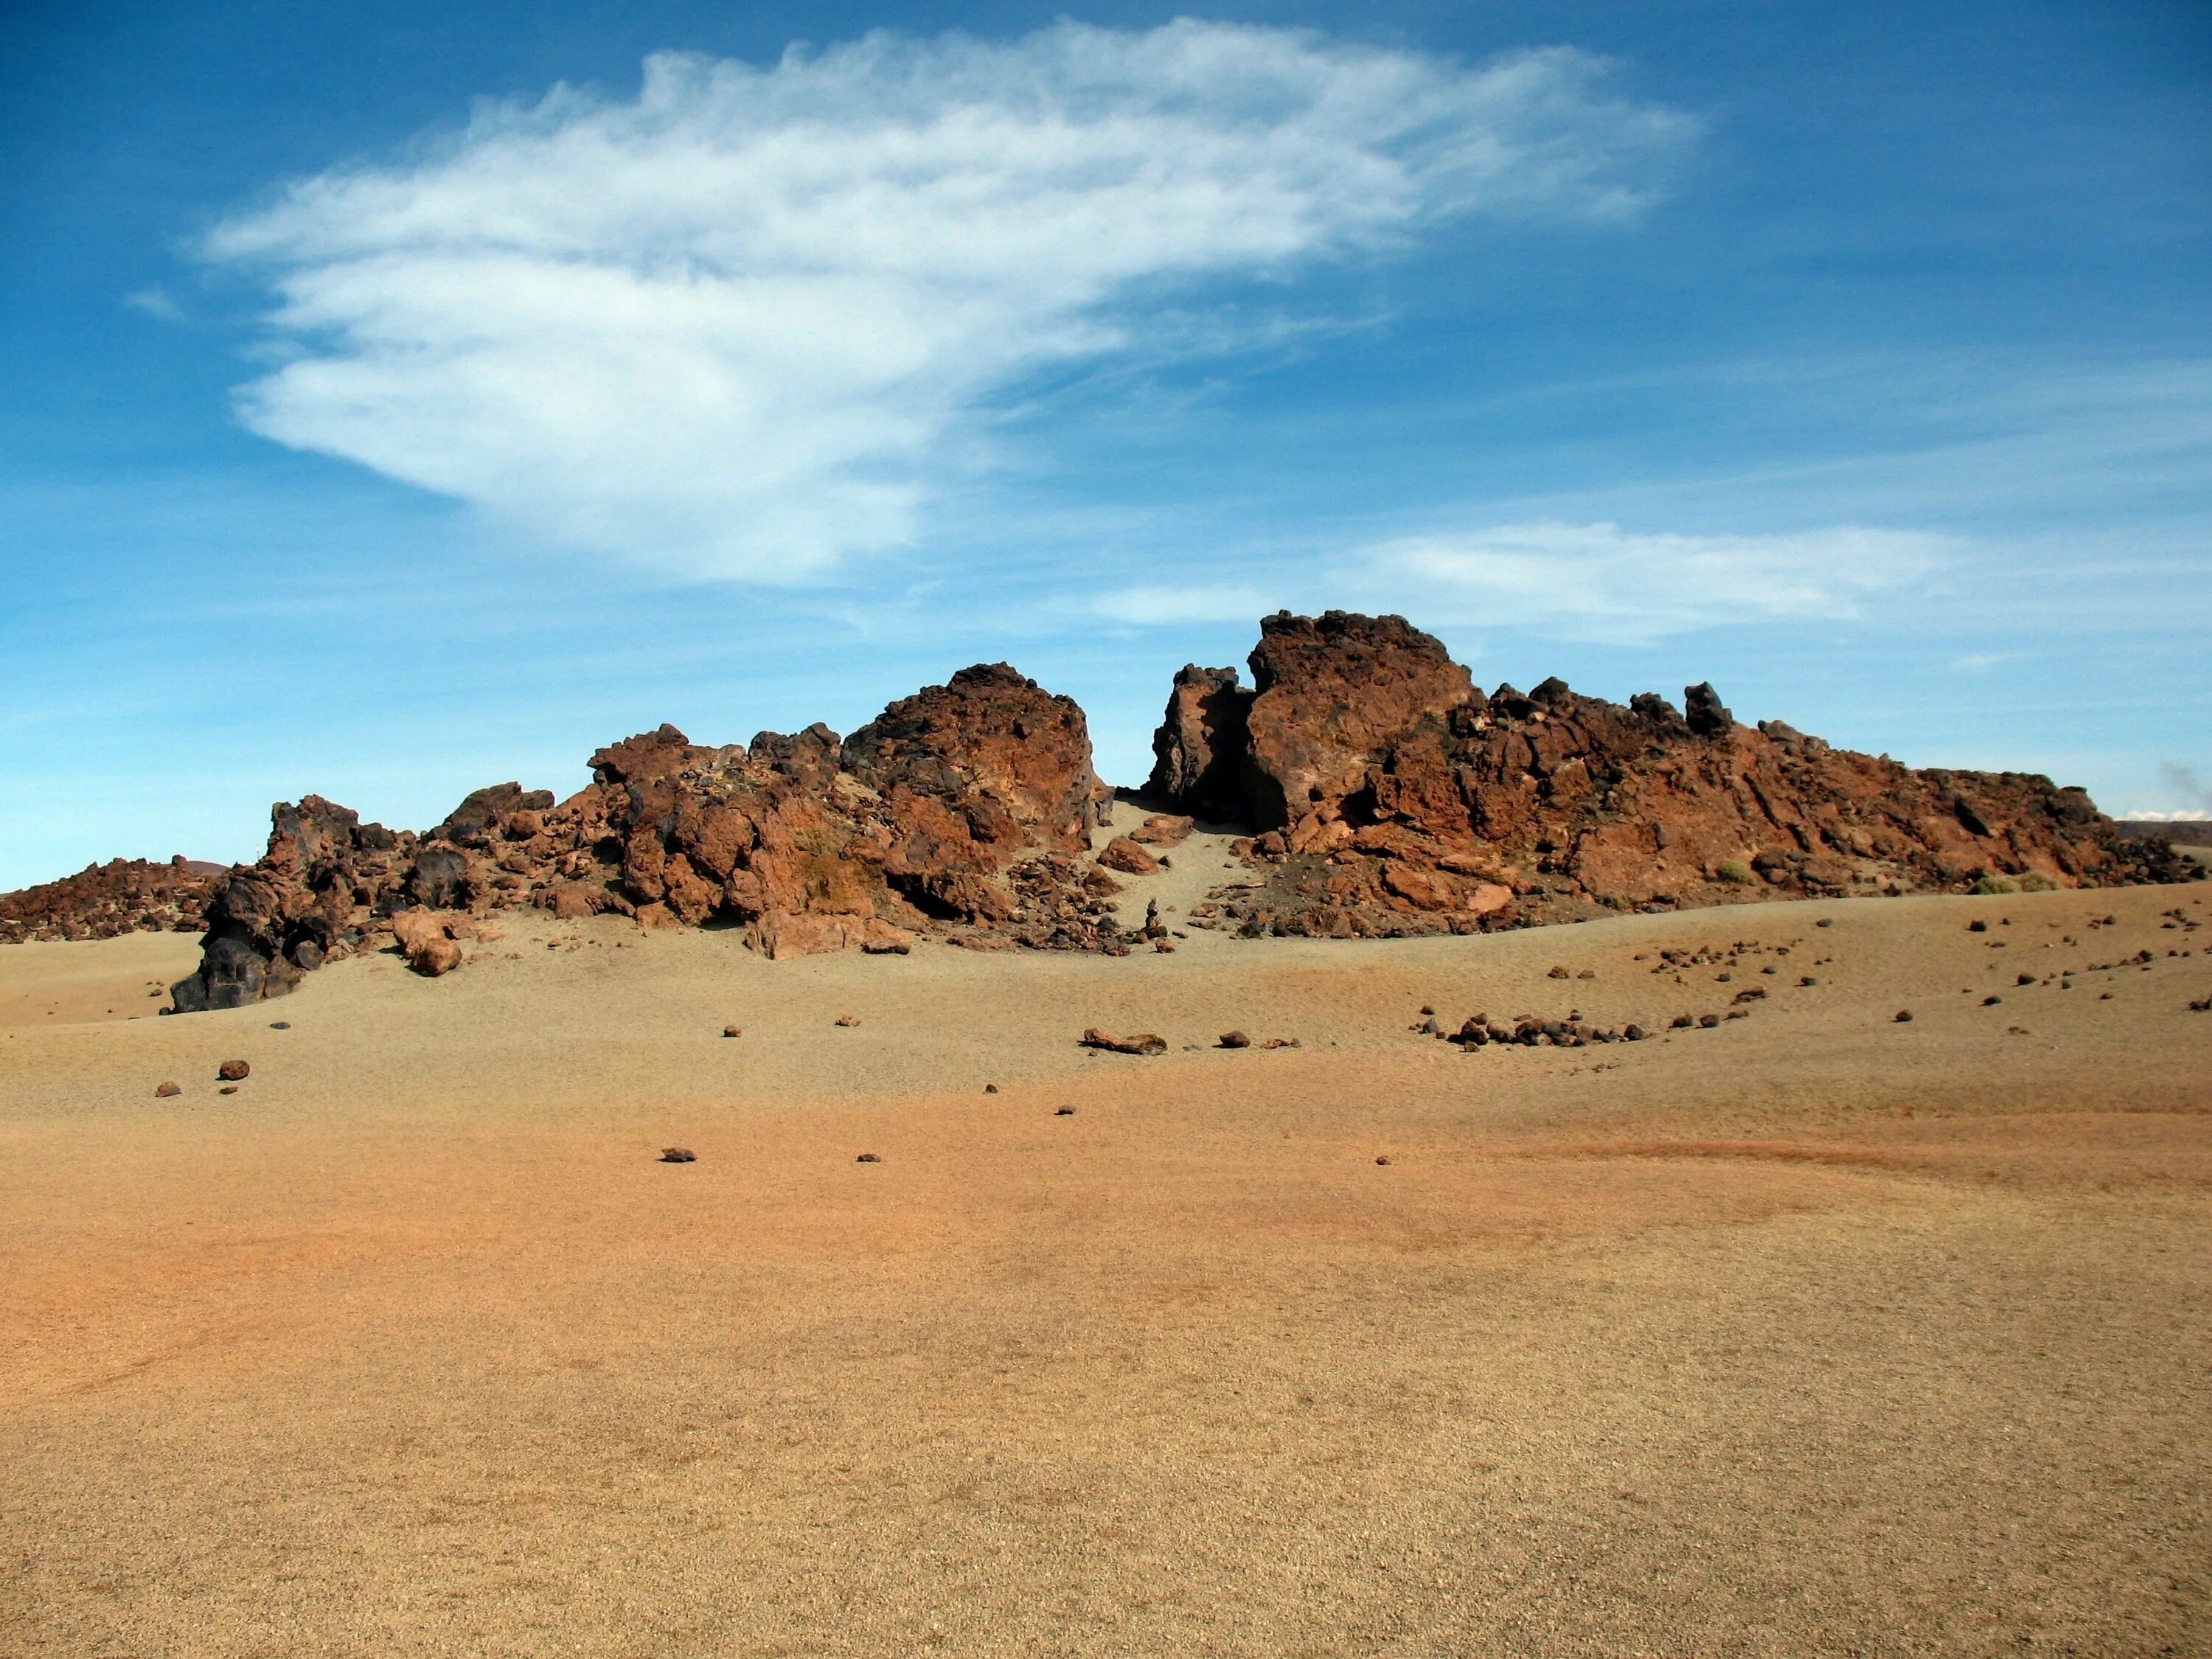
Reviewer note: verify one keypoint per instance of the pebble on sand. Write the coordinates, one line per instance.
(1903, 1017)
(678, 1155)
(280, 1024)
(228, 1089)
(848, 1019)
(1235, 1040)
(233, 1071)
(867, 1158)
(1063, 1111)
(169, 1090)
(734, 1030)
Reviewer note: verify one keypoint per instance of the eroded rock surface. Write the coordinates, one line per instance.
(963, 811)
(103, 901)
(1394, 798)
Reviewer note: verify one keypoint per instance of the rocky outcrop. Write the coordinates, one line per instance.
(1198, 752)
(102, 901)
(1395, 798)
(965, 811)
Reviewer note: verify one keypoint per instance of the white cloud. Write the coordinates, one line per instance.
(733, 326)
(1588, 581)
(1151, 605)
(1598, 581)
(156, 302)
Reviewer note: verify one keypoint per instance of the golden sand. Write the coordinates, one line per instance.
(1816, 1333)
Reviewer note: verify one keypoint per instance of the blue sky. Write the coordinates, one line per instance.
(395, 400)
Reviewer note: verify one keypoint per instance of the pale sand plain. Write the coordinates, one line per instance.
(1815, 1334)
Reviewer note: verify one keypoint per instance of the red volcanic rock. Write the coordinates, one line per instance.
(964, 809)
(1012, 759)
(1328, 695)
(101, 901)
(1124, 854)
(1394, 799)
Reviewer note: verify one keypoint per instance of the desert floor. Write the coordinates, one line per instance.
(1813, 1334)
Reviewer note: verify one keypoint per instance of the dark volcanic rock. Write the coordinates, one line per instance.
(1198, 752)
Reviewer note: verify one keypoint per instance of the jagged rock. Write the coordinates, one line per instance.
(1393, 798)
(1328, 694)
(490, 811)
(963, 809)
(678, 1155)
(1198, 749)
(103, 901)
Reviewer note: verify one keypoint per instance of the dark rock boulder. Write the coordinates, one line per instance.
(1198, 752)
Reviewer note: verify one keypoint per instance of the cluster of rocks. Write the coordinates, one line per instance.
(1385, 795)
(103, 901)
(1530, 1031)
(1391, 797)
(965, 811)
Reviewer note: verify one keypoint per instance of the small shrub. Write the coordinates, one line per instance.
(1733, 873)
(2036, 882)
(1989, 885)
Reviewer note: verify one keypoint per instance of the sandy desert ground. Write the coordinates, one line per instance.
(1813, 1334)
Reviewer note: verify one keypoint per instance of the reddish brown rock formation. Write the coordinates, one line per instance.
(1396, 799)
(101, 901)
(964, 809)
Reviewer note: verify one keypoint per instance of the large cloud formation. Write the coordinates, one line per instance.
(736, 326)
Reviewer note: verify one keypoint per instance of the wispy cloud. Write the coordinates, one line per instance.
(1587, 581)
(737, 325)
(156, 302)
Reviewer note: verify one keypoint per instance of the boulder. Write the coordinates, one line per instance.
(1124, 854)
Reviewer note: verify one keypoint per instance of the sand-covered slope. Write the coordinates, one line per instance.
(1812, 1333)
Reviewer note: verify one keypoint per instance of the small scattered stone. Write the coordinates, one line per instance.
(1825, 921)
(1281, 1043)
(867, 1158)
(1708, 1020)
(1903, 1017)
(678, 1155)
(233, 1071)
(1382, 1160)
(1808, 979)
(990, 1088)
(1991, 1002)
(1558, 973)
(1684, 1022)
(1633, 1033)
(167, 1091)
(848, 1019)
(1144, 1043)
(1235, 1040)
(2025, 979)
(280, 1024)
(1587, 973)
(1977, 927)
(1063, 1111)
(734, 1030)
(228, 1089)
